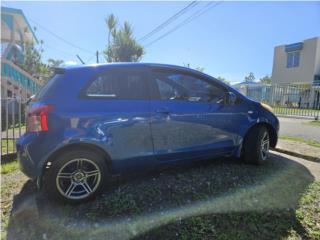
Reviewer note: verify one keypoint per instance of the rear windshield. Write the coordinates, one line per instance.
(49, 86)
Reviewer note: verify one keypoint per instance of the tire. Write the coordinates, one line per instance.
(76, 176)
(256, 146)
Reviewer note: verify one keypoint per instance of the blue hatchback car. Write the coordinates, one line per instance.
(91, 122)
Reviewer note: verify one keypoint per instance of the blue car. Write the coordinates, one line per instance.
(91, 122)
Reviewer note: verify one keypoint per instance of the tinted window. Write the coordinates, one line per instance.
(180, 86)
(120, 85)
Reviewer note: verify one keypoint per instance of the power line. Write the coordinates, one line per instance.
(186, 21)
(169, 20)
(61, 38)
(59, 50)
(89, 59)
(55, 35)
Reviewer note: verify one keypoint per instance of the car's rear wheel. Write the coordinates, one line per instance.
(256, 145)
(76, 176)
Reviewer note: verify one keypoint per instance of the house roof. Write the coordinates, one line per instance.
(246, 83)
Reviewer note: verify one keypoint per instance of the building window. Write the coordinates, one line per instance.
(293, 59)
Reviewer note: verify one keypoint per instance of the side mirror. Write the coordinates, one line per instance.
(231, 98)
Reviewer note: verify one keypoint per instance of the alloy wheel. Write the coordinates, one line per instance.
(78, 178)
(265, 144)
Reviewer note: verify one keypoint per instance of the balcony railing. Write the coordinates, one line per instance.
(19, 76)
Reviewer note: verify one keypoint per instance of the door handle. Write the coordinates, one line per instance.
(163, 110)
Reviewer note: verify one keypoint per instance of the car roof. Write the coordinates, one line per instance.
(105, 66)
(102, 66)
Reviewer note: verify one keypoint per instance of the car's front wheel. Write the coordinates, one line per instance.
(256, 145)
(76, 176)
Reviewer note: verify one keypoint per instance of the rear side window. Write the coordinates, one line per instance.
(122, 84)
(182, 86)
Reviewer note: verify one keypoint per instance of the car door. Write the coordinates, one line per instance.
(119, 105)
(188, 119)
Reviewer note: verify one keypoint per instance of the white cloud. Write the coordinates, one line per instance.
(68, 63)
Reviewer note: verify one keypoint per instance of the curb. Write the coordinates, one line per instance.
(295, 154)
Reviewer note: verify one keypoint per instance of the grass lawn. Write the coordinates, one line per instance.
(314, 123)
(312, 143)
(9, 167)
(221, 199)
(7, 146)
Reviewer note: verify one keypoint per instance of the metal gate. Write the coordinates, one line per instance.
(289, 100)
(13, 125)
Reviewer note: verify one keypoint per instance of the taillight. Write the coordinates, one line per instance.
(38, 119)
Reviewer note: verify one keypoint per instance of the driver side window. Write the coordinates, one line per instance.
(181, 86)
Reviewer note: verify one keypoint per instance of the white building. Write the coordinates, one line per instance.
(15, 32)
(297, 63)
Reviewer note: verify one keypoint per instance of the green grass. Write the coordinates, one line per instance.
(7, 146)
(9, 167)
(220, 199)
(314, 123)
(296, 111)
(312, 143)
(302, 223)
(308, 214)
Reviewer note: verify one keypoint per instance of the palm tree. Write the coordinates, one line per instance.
(111, 22)
(122, 47)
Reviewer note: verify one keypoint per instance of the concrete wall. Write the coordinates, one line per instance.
(308, 66)
(317, 59)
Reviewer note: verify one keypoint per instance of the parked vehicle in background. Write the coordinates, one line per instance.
(90, 122)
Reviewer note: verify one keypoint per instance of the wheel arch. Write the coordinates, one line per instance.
(81, 146)
(272, 132)
(71, 147)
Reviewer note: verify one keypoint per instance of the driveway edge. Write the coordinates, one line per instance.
(295, 154)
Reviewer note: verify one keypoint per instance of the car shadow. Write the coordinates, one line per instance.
(220, 198)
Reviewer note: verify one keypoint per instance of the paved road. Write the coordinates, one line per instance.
(299, 128)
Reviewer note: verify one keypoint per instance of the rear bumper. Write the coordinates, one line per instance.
(29, 153)
(26, 164)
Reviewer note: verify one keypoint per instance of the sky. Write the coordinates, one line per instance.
(229, 40)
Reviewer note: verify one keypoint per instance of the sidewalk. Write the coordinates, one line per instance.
(299, 149)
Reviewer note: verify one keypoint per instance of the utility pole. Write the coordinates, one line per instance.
(97, 56)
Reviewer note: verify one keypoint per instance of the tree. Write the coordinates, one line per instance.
(222, 79)
(122, 46)
(266, 79)
(54, 63)
(250, 77)
(111, 23)
(32, 60)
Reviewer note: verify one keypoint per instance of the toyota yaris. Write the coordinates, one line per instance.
(91, 122)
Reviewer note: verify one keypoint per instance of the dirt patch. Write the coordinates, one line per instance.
(11, 184)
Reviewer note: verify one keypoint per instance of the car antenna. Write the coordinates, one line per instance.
(80, 59)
